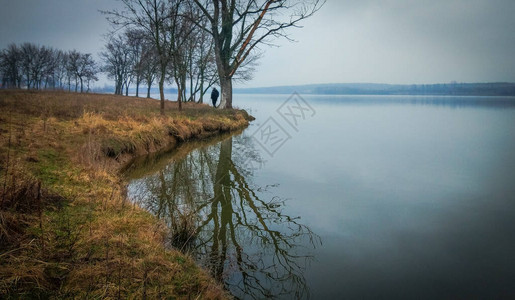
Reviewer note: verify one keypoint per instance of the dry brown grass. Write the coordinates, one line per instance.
(66, 229)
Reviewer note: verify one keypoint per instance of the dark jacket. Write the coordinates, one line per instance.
(214, 95)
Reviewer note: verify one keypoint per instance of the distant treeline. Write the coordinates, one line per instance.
(457, 89)
(40, 67)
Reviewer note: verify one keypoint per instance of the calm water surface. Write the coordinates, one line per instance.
(366, 197)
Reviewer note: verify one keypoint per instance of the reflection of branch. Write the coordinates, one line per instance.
(231, 218)
(281, 242)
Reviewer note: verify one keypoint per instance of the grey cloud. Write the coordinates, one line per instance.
(388, 41)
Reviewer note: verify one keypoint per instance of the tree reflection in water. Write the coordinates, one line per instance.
(217, 214)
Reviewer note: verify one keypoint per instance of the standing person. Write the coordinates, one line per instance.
(214, 96)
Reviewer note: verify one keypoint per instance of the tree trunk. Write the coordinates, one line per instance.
(226, 98)
(119, 88)
(191, 78)
(222, 199)
(148, 90)
(222, 59)
(162, 93)
(137, 86)
(81, 85)
(181, 89)
(201, 100)
(179, 96)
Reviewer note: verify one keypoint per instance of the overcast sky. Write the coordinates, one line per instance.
(386, 41)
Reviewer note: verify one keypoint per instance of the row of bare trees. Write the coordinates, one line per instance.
(197, 43)
(40, 67)
(193, 44)
(161, 43)
(131, 57)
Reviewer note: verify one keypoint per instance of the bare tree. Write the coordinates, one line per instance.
(10, 67)
(81, 67)
(60, 70)
(88, 71)
(42, 65)
(48, 76)
(117, 62)
(136, 41)
(73, 66)
(239, 27)
(148, 65)
(154, 17)
(27, 54)
(201, 62)
(183, 33)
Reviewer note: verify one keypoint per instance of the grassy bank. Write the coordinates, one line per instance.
(66, 229)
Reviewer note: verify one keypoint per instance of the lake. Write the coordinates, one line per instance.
(331, 197)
